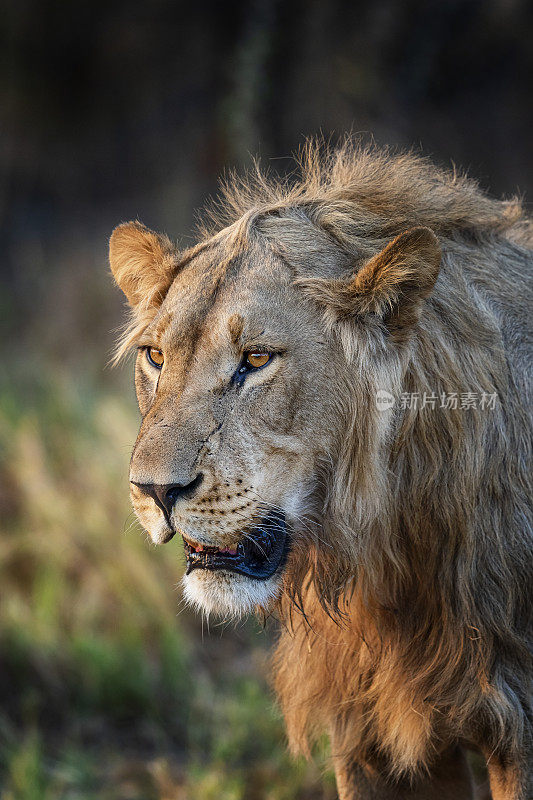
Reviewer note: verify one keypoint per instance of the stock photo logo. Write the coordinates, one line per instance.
(451, 401)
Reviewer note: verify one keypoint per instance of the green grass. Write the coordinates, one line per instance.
(109, 689)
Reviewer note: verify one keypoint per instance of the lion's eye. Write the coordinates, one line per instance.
(255, 360)
(251, 360)
(155, 357)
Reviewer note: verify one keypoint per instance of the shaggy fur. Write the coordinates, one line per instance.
(406, 600)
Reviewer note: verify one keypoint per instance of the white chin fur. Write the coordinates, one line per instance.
(227, 593)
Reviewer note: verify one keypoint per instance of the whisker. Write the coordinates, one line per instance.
(246, 536)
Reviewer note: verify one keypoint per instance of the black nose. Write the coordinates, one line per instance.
(165, 495)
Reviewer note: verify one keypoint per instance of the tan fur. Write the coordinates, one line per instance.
(406, 599)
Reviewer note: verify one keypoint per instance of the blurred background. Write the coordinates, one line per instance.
(119, 110)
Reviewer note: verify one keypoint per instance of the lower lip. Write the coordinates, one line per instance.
(244, 563)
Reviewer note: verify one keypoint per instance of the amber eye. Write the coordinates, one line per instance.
(257, 360)
(155, 357)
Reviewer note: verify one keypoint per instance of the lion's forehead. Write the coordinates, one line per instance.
(226, 300)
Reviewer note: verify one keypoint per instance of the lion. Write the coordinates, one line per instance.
(334, 392)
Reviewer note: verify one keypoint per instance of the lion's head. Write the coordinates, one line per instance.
(261, 352)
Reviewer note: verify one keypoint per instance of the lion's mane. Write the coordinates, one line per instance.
(406, 608)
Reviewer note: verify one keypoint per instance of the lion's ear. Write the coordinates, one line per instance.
(392, 284)
(143, 263)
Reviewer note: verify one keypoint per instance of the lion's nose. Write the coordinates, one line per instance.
(165, 495)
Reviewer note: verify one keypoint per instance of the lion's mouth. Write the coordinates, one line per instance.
(259, 554)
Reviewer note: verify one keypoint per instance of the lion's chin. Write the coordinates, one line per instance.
(228, 594)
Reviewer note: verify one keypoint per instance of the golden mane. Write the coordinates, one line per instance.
(405, 589)
(415, 587)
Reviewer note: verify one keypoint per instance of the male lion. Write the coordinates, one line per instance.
(334, 392)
